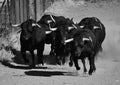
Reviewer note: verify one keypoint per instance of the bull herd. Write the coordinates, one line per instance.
(79, 40)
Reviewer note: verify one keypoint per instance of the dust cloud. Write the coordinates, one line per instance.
(108, 13)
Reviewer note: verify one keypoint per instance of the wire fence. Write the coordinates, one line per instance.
(5, 18)
(17, 11)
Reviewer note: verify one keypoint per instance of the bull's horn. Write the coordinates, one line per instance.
(90, 38)
(33, 24)
(53, 29)
(69, 40)
(36, 24)
(49, 21)
(52, 18)
(96, 27)
(48, 32)
(69, 28)
(82, 26)
(16, 25)
(74, 26)
(86, 39)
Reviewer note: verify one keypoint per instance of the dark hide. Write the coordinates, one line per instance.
(83, 46)
(96, 26)
(56, 38)
(32, 38)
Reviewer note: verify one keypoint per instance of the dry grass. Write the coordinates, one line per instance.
(8, 42)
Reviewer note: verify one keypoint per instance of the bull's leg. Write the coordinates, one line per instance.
(40, 57)
(83, 61)
(52, 50)
(24, 56)
(75, 59)
(40, 53)
(92, 65)
(33, 58)
(63, 60)
(58, 59)
(71, 61)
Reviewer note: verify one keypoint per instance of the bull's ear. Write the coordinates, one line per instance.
(75, 22)
(71, 19)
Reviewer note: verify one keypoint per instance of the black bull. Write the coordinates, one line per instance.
(86, 42)
(53, 23)
(64, 26)
(31, 38)
(83, 45)
(96, 26)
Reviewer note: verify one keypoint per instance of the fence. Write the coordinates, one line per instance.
(17, 11)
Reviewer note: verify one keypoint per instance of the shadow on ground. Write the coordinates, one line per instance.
(18, 63)
(19, 66)
(44, 73)
(54, 73)
(51, 60)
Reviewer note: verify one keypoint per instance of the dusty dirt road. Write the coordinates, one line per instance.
(108, 62)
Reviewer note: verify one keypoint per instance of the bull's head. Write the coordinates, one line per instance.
(78, 43)
(26, 28)
(70, 24)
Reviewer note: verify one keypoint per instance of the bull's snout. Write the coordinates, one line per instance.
(26, 37)
(78, 51)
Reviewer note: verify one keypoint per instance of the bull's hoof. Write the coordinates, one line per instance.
(59, 63)
(90, 72)
(78, 68)
(41, 62)
(94, 69)
(85, 70)
(70, 64)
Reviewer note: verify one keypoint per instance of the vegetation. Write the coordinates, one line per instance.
(8, 35)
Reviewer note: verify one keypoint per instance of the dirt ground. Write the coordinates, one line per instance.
(107, 63)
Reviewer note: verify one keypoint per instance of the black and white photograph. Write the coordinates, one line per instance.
(59, 42)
